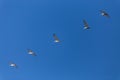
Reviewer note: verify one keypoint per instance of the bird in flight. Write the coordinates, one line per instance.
(13, 65)
(55, 38)
(104, 13)
(86, 26)
(31, 52)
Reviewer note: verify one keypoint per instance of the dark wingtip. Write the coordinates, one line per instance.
(54, 34)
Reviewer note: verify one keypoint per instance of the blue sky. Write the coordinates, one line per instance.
(81, 55)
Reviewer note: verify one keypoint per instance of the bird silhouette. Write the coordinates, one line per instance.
(86, 26)
(13, 64)
(55, 38)
(104, 13)
(30, 52)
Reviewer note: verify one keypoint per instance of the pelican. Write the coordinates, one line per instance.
(86, 26)
(55, 38)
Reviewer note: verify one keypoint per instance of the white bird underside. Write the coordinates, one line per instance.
(13, 65)
(56, 41)
(86, 27)
(102, 14)
(30, 53)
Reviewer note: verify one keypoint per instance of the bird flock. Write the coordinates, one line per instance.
(57, 40)
(103, 13)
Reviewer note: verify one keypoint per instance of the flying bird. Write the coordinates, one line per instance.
(104, 13)
(86, 26)
(31, 53)
(55, 38)
(13, 65)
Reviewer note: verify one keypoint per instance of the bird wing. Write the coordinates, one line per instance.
(85, 23)
(34, 54)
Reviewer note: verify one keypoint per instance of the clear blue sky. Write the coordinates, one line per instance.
(82, 54)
